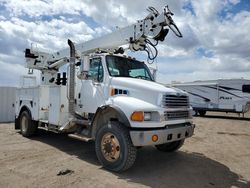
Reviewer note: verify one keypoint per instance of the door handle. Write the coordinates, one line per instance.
(96, 84)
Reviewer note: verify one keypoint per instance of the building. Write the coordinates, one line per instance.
(7, 104)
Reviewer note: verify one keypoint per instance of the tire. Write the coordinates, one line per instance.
(170, 147)
(17, 123)
(196, 113)
(202, 112)
(114, 148)
(27, 126)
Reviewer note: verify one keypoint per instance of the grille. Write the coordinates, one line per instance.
(175, 101)
(176, 115)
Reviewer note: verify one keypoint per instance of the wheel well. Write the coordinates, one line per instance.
(105, 114)
(24, 108)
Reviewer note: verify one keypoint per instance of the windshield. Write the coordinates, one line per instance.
(124, 67)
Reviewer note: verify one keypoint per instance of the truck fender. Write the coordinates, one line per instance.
(108, 113)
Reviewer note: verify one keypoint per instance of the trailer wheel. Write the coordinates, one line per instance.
(114, 148)
(202, 112)
(28, 127)
(170, 147)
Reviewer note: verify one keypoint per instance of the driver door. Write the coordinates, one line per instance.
(93, 88)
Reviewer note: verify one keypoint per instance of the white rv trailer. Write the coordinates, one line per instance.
(224, 95)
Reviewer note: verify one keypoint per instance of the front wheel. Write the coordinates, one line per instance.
(114, 148)
(171, 146)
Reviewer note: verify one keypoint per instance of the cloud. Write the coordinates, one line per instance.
(104, 12)
(226, 40)
(215, 39)
(19, 31)
(10, 73)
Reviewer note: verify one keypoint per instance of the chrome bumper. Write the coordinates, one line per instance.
(144, 137)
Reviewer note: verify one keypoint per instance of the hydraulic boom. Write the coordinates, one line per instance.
(154, 27)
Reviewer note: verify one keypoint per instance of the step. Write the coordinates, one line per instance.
(80, 137)
(44, 121)
(83, 122)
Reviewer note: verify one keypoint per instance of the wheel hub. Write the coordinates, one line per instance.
(110, 147)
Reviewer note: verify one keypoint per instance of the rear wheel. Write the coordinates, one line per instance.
(28, 127)
(202, 112)
(170, 147)
(114, 148)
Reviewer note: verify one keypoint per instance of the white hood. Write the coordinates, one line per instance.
(142, 89)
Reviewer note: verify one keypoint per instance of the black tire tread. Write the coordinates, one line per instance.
(32, 125)
(202, 112)
(132, 151)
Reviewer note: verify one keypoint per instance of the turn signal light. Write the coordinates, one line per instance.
(112, 92)
(137, 116)
(154, 138)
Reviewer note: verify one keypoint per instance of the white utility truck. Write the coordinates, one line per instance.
(223, 95)
(106, 96)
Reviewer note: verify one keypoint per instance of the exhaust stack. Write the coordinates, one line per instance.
(72, 78)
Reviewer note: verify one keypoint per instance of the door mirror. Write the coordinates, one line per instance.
(84, 64)
(84, 68)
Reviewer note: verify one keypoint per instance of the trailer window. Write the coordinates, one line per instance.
(246, 88)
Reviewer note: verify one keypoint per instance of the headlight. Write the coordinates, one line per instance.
(147, 116)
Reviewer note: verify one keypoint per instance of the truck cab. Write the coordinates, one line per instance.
(115, 78)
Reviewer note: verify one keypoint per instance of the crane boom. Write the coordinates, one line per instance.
(155, 26)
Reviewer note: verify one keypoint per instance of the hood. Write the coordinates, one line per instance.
(143, 89)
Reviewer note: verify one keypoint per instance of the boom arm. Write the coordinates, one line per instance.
(155, 26)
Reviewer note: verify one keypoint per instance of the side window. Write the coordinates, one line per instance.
(137, 72)
(95, 70)
(112, 67)
(246, 88)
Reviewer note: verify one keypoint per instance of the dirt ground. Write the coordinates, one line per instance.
(218, 155)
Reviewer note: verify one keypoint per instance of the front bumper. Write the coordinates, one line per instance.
(170, 134)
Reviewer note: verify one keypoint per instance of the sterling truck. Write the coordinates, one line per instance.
(106, 96)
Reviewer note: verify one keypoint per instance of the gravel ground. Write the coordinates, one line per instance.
(218, 155)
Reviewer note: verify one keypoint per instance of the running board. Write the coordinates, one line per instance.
(80, 137)
(44, 121)
(72, 122)
(48, 129)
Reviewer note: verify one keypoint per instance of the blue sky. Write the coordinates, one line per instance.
(215, 43)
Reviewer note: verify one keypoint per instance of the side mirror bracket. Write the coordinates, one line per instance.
(84, 68)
